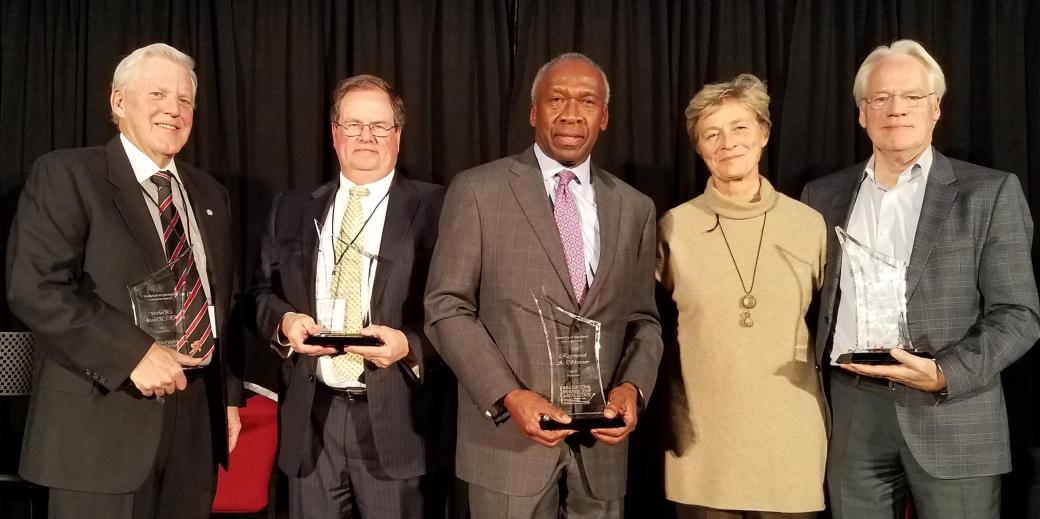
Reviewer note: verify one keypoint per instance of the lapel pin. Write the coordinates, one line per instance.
(209, 212)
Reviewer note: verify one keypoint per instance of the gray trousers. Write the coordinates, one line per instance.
(566, 495)
(870, 469)
(348, 481)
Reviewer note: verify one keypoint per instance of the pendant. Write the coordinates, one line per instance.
(748, 302)
(745, 320)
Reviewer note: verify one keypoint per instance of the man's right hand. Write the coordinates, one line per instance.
(527, 408)
(296, 327)
(160, 372)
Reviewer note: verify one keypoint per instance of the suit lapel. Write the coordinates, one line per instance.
(131, 204)
(841, 211)
(529, 191)
(608, 211)
(939, 195)
(400, 213)
(838, 212)
(318, 211)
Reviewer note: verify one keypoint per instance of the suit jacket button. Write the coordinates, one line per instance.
(310, 378)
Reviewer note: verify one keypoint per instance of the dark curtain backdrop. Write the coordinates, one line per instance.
(465, 68)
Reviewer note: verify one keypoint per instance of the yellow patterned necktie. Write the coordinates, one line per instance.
(346, 279)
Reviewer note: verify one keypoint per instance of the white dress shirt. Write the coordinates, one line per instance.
(885, 220)
(144, 167)
(373, 209)
(584, 198)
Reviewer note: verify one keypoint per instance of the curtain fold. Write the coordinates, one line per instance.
(465, 67)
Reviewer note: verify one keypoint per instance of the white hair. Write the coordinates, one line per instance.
(900, 48)
(570, 56)
(125, 70)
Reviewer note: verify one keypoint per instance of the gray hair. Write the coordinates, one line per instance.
(900, 48)
(570, 56)
(124, 73)
(745, 88)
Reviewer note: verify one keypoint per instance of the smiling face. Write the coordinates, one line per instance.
(896, 130)
(155, 108)
(731, 141)
(365, 158)
(569, 111)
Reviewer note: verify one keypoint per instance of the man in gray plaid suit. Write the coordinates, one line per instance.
(938, 427)
(544, 221)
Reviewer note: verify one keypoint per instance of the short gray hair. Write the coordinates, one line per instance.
(570, 56)
(124, 73)
(900, 48)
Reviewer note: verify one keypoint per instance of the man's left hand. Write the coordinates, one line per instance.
(234, 426)
(912, 371)
(623, 402)
(394, 348)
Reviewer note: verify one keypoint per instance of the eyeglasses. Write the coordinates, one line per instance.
(354, 128)
(880, 101)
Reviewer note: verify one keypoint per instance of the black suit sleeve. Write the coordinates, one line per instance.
(267, 291)
(49, 288)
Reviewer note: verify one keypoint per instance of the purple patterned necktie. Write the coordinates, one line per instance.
(569, 224)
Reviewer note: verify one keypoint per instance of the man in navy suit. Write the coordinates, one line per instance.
(362, 431)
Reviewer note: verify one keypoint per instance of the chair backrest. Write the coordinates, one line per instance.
(246, 488)
(16, 350)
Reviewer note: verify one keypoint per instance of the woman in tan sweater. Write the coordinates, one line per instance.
(742, 262)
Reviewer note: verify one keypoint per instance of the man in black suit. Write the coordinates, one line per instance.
(360, 431)
(118, 427)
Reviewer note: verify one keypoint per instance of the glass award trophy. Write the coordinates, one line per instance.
(331, 310)
(879, 281)
(158, 303)
(330, 315)
(572, 344)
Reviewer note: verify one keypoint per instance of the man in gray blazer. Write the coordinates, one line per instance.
(502, 225)
(936, 426)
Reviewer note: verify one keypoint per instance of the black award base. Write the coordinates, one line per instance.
(583, 422)
(342, 339)
(876, 357)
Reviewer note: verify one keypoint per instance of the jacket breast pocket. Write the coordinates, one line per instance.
(955, 259)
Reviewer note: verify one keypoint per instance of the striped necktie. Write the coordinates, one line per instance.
(197, 340)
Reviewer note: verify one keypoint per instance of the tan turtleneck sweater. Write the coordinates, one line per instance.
(756, 437)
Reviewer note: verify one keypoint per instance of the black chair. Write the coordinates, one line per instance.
(16, 351)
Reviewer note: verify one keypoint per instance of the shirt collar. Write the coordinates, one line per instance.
(550, 168)
(919, 169)
(376, 189)
(144, 167)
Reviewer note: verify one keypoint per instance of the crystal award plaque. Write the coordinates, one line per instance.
(159, 303)
(331, 309)
(879, 281)
(572, 344)
(330, 315)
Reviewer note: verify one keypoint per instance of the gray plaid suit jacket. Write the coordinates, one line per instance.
(972, 302)
(499, 243)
